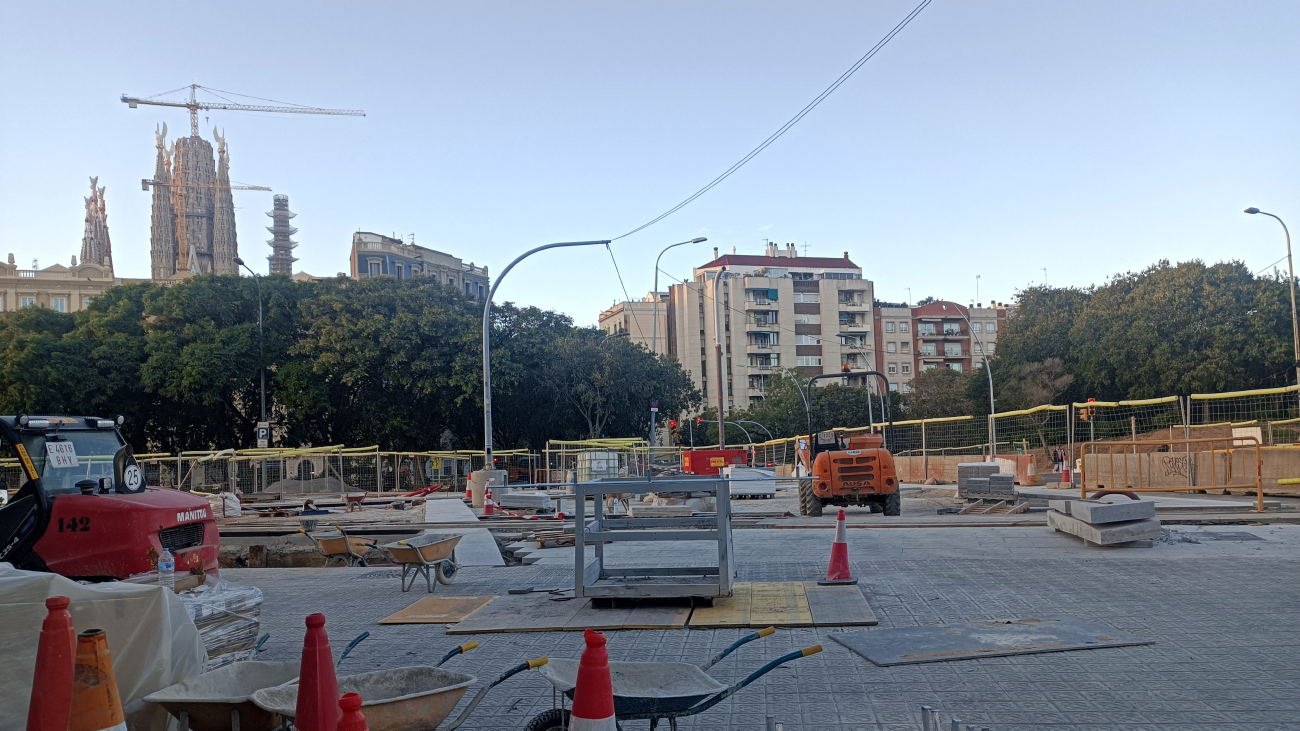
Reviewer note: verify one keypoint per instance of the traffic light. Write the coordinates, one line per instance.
(1086, 413)
(844, 368)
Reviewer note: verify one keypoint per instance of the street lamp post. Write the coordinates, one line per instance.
(988, 371)
(1295, 321)
(755, 423)
(654, 327)
(717, 301)
(261, 340)
(487, 341)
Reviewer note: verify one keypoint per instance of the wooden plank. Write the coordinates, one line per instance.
(438, 610)
(838, 606)
(658, 617)
(519, 613)
(732, 611)
(779, 604)
(977, 504)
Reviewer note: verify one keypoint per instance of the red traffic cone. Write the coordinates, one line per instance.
(489, 507)
(593, 696)
(96, 705)
(51, 703)
(352, 718)
(318, 688)
(838, 572)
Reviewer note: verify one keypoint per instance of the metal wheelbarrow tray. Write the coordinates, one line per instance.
(403, 699)
(425, 554)
(215, 700)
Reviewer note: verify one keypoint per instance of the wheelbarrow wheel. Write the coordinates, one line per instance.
(555, 719)
(446, 571)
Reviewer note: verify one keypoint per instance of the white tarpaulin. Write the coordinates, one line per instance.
(151, 637)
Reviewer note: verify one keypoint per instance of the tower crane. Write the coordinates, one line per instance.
(194, 105)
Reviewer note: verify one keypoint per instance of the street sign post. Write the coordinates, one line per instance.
(263, 434)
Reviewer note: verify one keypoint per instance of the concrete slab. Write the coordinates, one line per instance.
(524, 500)
(477, 547)
(1163, 501)
(1096, 512)
(1107, 533)
(448, 510)
(1060, 506)
(996, 638)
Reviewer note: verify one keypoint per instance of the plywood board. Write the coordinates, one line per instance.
(438, 610)
(519, 613)
(941, 643)
(838, 606)
(732, 611)
(638, 617)
(779, 604)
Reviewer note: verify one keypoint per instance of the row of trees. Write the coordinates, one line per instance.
(381, 361)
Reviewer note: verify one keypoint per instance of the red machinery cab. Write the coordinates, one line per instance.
(711, 461)
(82, 510)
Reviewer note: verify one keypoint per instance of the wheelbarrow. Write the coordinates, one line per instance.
(655, 691)
(336, 545)
(403, 699)
(220, 700)
(424, 554)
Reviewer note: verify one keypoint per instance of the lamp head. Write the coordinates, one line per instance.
(239, 262)
(1252, 210)
(699, 240)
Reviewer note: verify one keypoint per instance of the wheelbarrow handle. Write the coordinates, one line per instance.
(732, 647)
(725, 694)
(478, 697)
(350, 647)
(457, 650)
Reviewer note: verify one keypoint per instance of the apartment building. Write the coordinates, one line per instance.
(912, 340)
(776, 312)
(376, 255)
(637, 319)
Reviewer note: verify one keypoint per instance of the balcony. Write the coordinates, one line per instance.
(760, 325)
(757, 302)
(852, 304)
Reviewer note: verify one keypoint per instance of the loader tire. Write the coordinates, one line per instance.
(894, 504)
(809, 503)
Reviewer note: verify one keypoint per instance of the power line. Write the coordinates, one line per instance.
(785, 127)
(626, 298)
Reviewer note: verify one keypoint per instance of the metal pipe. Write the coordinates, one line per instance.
(261, 340)
(993, 423)
(487, 341)
(1290, 271)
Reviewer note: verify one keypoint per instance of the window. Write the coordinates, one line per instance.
(906, 346)
(398, 270)
(808, 360)
(480, 291)
(991, 327)
(977, 327)
(893, 388)
(925, 328)
(891, 348)
(927, 349)
(952, 349)
(59, 304)
(807, 340)
(850, 297)
(86, 300)
(951, 328)
(374, 268)
(955, 367)
(907, 367)
(807, 297)
(889, 327)
(806, 319)
(26, 301)
(928, 366)
(892, 368)
(850, 318)
(466, 287)
(907, 387)
(990, 347)
(902, 327)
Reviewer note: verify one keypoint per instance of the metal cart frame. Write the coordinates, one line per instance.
(596, 580)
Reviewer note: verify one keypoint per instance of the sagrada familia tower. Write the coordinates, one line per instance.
(193, 211)
(95, 245)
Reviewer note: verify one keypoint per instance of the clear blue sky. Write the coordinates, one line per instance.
(990, 139)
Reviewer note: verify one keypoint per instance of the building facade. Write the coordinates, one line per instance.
(637, 319)
(779, 312)
(59, 288)
(912, 340)
(193, 222)
(376, 255)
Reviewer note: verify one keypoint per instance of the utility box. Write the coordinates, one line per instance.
(711, 461)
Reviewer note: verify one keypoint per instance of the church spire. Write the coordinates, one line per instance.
(95, 245)
(225, 246)
(162, 237)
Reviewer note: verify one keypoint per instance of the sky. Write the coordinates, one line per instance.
(1016, 142)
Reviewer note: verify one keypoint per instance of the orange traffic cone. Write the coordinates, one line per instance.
(838, 572)
(593, 696)
(489, 507)
(318, 687)
(51, 703)
(352, 718)
(96, 705)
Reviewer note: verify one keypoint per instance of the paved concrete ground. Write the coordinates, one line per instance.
(1219, 601)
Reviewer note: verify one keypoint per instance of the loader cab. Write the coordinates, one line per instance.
(71, 455)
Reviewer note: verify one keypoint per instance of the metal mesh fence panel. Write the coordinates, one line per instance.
(1034, 431)
(1271, 415)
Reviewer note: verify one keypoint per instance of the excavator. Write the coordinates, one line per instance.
(846, 468)
(82, 509)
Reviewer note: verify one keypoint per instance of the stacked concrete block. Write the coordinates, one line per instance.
(1124, 523)
(977, 470)
(1002, 484)
(977, 486)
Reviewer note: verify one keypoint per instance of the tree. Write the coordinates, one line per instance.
(939, 392)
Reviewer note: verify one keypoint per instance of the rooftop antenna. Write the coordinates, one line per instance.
(1044, 276)
(977, 288)
(909, 296)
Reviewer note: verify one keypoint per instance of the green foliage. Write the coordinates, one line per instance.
(1168, 330)
(381, 361)
(940, 392)
(783, 412)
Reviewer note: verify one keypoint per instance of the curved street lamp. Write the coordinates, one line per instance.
(1295, 321)
(654, 327)
(993, 424)
(261, 340)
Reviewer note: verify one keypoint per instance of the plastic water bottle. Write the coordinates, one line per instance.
(167, 570)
